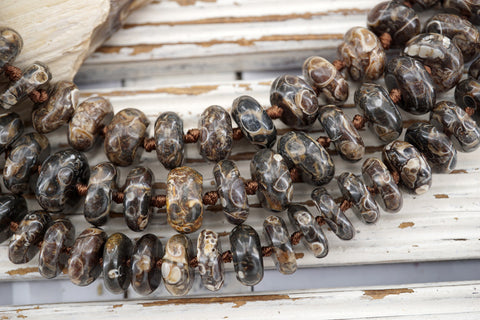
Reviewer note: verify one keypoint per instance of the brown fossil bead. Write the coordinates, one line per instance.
(216, 134)
(210, 263)
(276, 233)
(247, 255)
(169, 140)
(11, 128)
(177, 274)
(422, 4)
(136, 201)
(466, 8)
(13, 208)
(11, 43)
(467, 95)
(116, 270)
(474, 70)
(146, 276)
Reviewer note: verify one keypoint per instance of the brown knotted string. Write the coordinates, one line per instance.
(385, 40)
(395, 95)
(339, 64)
(359, 121)
(14, 74)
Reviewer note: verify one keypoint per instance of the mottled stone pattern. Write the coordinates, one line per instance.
(297, 100)
(136, 201)
(58, 109)
(313, 237)
(216, 134)
(53, 255)
(84, 264)
(231, 190)
(381, 113)
(437, 148)
(11, 128)
(146, 276)
(326, 80)
(117, 273)
(24, 243)
(440, 54)
(353, 189)
(90, 117)
(363, 54)
(247, 255)
(184, 199)
(254, 122)
(277, 236)
(332, 214)
(465, 8)
(414, 82)
(376, 175)
(474, 70)
(341, 131)
(414, 170)
(467, 95)
(304, 153)
(270, 171)
(13, 208)
(169, 140)
(124, 135)
(11, 43)
(210, 263)
(57, 179)
(177, 274)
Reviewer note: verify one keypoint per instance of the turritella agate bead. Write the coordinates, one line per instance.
(146, 276)
(117, 254)
(247, 255)
(464, 8)
(11, 128)
(137, 194)
(216, 134)
(210, 263)
(423, 4)
(11, 43)
(13, 208)
(474, 70)
(467, 95)
(177, 274)
(277, 236)
(169, 140)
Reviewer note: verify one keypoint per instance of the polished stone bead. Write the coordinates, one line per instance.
(440, 54)
(53, 254)
(84, 265)
(332, 214)
(437, 148)
(231, 190)
(363, 54)
(467, 95)
(169, 140)
(11, 43)
(341, 131)
(13, 208)
(58, 109)
(414, 171)
(184, 199)
(216, 134)
(422, 4)
(117, 253)
(24, 244)
(124, 135)
(136, 201)
(89, 118)
(301, 151)
(254, 122)
(297, 100)
(465, 8)
(313, 237)
(353, 189)
(176, 271)
(474, 70)
(326, 80)
(210, 263)
(103, 181)
(382, 115)
(247, 255)
(11, 128)
(146, 276)
(456, 124)
(277, 236)
(418, 94)
(21, 165)
(376, 175)
(269, 169)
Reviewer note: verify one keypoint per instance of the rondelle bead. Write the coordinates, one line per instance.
(437, 148)
(146, 275)
(297, 100)
(254, 122)
(376, 175)
(11, 43)
(341, 131)
(24, 244)
(21, 165)
(414, 171)
(216, 134)
(56, 184)
(89, 118)
(231, 190)
(58, 109)
(465, 8)
(474, 70)
(362, 54)
(176, 271)
(184, 199)
(169, 140)
(278, 237)
(415, 84)
(440, 54)
(382, 115)
(247, 255)
(11, 128)
(313, 237)
(332, 214)
(117, 273)
(136, 201)
(275, 188)
(301, 151)
(467, 95)
(210, 263)
(53, 255)
(124, 135)
(13, 208)
(102, 183)
(84, 265)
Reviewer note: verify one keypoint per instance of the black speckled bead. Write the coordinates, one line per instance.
(216, 134)
(116, 271)
(146, 276)
(467, 95)
(13, 208)
(169, 140)
(11, 128)
(466, 8)
(210, 263)
(247, 255)
(136, 201)
(277, 236)
(474, 70)
(254, 122)
(11, 43)
(177, 274)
